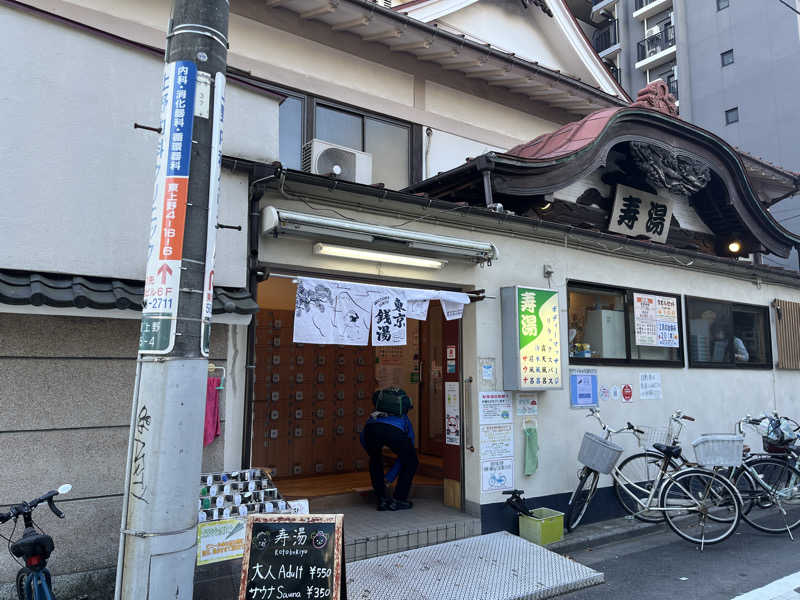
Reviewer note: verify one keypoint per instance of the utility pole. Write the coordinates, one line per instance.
(159, 517)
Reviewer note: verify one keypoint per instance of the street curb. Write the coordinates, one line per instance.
(605, 532)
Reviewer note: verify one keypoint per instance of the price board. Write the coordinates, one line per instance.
(293, 556)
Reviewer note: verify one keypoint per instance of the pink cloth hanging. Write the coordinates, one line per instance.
(212, 429)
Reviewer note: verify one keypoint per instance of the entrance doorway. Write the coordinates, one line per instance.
(311, 402)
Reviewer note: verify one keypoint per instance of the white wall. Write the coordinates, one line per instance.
(77, 177)
(716, 397)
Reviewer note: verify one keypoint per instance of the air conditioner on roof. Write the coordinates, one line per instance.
(324, 158)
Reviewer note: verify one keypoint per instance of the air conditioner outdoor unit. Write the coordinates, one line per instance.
(324, 158)
(652, 31)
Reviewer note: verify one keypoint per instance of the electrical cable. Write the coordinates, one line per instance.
(790, 7)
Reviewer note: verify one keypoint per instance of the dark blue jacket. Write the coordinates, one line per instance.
(401, 422)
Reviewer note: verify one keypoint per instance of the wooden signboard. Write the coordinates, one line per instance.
(293, 556)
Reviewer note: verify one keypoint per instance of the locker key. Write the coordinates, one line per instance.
(298, 414)
(273, 433)
(340, 412)
(340, 466)
(321, 361)
(276, 377)
(359, 464)
(320, 395)
(361, 361)
(277, 324)
(276, 341)
(274, 415)
(299, 378)
(320, 377)
(320, 413)
(298, 395)
(361, 394)
(276, 359)
(340, 430)
(340, 395)
(340, 360)
(319, 467)
(320, 431)
(276, 396)
(300, 360)
(361, 378)
(359, 428)
(297, 469)
(359, 411)
(298, 432)
(340, 378)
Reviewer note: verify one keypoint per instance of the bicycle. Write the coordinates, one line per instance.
(635, 476)
(699, 505)
(516, 502)
(769, 484)
(33, 580)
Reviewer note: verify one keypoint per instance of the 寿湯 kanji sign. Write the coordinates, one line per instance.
(638, 213)
(168, 217)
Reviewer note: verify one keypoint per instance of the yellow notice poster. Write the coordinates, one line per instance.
(220, 540)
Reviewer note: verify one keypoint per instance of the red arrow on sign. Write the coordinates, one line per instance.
(164, 270)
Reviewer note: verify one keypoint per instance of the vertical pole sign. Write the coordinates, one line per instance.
(168, 217)
(213, 209)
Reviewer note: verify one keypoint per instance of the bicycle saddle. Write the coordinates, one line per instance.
(34, 544)
(668, 451)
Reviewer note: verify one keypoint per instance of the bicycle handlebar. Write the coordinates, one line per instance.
(26, 508)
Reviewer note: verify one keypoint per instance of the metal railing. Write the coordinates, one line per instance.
(641, 4)
(606, 36)
(616, 73)
(656, 43)
(672, 86)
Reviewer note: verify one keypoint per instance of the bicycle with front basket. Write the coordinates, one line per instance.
(33, 580)
(700, 505)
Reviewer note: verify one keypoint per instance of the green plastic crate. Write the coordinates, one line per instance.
(544, 527)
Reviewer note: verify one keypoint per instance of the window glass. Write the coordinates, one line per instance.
(727, 58)
(389, 146)
(290, 132)
(732, 115)
(725, 334)
(596, 323)
(339, 127)
(722, 4)
(750, 341)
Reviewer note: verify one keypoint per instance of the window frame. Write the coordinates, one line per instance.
(767, 366)
(723, 4)
(310, 101)
(731, 111)
(627, 293)
(722, 58)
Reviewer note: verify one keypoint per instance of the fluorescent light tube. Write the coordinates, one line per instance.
(379, 257)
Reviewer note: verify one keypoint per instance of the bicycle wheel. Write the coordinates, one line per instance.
(22, 575)
(634, 479)
(579, 501)
(700, 506)
(770, 494)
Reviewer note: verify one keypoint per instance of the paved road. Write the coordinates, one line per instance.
(662, 566)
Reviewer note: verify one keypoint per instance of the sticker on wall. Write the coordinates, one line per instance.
(451, 352)
(452, 434)
(616, 393)
(627, 394)
(451, 367)
(527, 405)
(487, 372)
(604, 393)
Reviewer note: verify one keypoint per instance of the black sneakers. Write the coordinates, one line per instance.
(388, 504)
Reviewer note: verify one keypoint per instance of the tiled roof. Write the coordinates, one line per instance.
(76, 291)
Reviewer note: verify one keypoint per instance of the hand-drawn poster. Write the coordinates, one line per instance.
(655, 320)
(389, 317)
(332, 312)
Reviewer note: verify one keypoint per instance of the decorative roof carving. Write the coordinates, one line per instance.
(656, 96)
(677, 173)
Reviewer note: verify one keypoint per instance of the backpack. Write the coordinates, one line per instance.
(392, 401)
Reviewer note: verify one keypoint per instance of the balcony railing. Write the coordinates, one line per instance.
(672, 85)
(616, 73)
(641, 4)
(606, 36)
(657, 42)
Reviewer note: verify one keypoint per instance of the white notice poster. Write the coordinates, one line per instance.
(527, 405)
(495, 407)
(650, 386)
(452, 435)
(497, 441)
(655, 320)
(497, 475)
